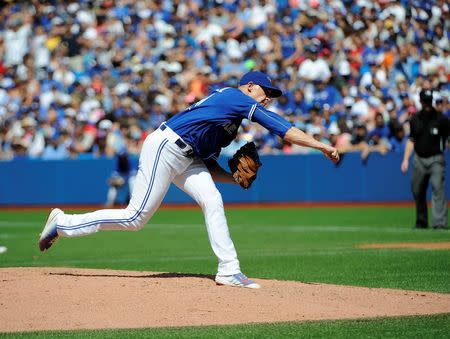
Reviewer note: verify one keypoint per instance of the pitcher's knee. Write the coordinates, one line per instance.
(136, 225)
(136, 221)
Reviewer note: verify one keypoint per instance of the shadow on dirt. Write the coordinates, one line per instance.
(146, 276)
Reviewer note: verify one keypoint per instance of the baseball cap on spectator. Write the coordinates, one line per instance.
(233, 49)
(73, 7)
(348, 101)
(56, 21)
(372, 61)
(206, 69)
(263, 80)
(314, 130)
(90, 33)
(357, 25)
(7, 83)
(390, 106)
(126, 71)
(287, 20)
(173, 67)
(70, 112)
(105, 124)
(353, 91)
(422, 16)
(437, 97)
(356, 9)
(315, 42)
(163, 100)
(365, 3)
(400, 78)
(29, 122)
(121, 88)
(49, 9)
(82, 117)
(145, 13)
(15, 22)
(374, 101)
(334, 129)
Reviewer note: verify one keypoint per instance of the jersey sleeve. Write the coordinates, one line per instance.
(270, 120)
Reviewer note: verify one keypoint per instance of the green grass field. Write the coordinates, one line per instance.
(303, 244)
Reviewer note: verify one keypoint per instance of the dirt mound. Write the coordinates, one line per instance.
(61, 299)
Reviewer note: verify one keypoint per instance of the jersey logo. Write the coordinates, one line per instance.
(230, 128)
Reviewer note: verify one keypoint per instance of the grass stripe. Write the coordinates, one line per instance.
(251, 227)
(435, 327)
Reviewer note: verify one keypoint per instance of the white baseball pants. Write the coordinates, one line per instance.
(162, 162)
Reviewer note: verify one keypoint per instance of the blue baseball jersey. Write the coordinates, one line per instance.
(213, 122)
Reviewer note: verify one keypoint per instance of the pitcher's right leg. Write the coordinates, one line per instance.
(152, 182)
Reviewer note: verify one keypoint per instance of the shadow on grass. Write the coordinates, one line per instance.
(146, 276)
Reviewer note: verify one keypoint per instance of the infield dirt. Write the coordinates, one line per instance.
(34, 299)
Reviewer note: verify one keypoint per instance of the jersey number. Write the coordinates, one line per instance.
(198, 103)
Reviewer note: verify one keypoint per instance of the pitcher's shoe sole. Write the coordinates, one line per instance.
(49, 234)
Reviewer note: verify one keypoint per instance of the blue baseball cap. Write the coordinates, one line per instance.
(263, 80)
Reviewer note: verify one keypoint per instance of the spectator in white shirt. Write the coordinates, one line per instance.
(16, 41)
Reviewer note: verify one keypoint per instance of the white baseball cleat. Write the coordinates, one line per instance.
(3, 249)
(238, 280)
(49, 234)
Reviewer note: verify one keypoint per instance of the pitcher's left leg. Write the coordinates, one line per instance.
(197, 182)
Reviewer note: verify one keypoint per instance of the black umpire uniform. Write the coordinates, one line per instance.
(429, 134)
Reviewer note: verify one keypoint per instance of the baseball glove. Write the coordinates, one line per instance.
(244, 165)
(116, 181)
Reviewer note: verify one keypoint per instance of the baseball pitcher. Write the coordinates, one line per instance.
(184, 150)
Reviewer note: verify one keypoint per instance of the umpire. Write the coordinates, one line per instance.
(428, 138)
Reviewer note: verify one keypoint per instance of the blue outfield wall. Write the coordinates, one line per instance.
(282, 178)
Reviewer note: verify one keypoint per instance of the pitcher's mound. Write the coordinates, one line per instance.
(62, 299)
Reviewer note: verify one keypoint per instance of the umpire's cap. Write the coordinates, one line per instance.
(263, 80)
(426, 96)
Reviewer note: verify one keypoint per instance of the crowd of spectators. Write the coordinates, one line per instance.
(92, 78)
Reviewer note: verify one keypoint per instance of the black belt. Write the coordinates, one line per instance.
(179, 142)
